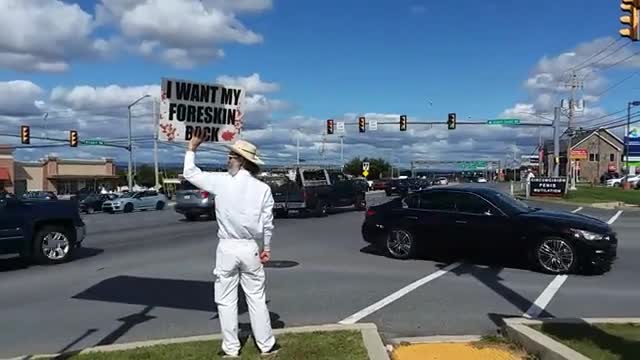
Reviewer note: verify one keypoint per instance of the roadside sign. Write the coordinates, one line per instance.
(373, 125)
(340, 126)
(365, 166)
(365, 173)
(579, 154)
(503, 122)
(547, 186)
(92, 142)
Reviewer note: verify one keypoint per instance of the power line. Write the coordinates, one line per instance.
(577, 67)
(606, 56)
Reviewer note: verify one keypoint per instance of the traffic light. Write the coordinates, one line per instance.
(403, 122)
(451, 121)
(73, 138)
(329, 126)
(362, 123)
(631, 7)
(25, 136)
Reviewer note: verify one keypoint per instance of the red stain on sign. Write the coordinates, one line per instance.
(228, 135)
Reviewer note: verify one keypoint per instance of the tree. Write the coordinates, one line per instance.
(378, 167)
(145, 176)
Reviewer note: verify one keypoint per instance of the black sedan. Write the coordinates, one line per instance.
(483, 220)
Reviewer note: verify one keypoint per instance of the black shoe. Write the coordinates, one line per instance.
(274, 350)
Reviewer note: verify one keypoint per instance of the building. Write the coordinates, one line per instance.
(597, 152)
(62, 176)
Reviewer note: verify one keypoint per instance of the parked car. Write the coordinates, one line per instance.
(315, 191)
(475, 220)
(44, 231)
(379, 184)
(193, 202)
(131, 201)
(404, 186)
(481, 179)
(632, 179)
(93, 202)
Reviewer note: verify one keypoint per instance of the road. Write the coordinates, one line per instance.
(147, 275)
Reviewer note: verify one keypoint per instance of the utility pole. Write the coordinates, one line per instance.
(298, 148)
(342, 149)
(556, 142)
(155, 143)
(44, 121)
(130, 147)
(573, 84)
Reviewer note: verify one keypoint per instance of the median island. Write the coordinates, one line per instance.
(599, 194)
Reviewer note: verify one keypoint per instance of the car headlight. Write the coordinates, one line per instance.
(117, 203)
(587, 235)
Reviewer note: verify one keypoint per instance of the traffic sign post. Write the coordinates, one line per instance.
(365, 169)
(503, 122)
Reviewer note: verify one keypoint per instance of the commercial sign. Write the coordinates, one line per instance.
(547, 186)
(579, 154)
(189, 108)
(632, 140)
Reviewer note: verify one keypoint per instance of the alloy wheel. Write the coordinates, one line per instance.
(556, 255)
(55, 245)
(399, 243)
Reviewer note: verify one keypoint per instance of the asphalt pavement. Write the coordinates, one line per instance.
(147, 275)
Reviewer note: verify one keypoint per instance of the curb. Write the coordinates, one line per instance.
(370, 336)
(535, 342)
(613, 205)
(435, 339)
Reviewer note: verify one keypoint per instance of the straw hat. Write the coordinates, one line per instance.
(247, 150)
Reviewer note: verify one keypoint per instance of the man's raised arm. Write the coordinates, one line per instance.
(207, 181)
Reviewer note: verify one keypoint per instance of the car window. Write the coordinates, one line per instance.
(472, 204)
(411, 202)
(437, 200)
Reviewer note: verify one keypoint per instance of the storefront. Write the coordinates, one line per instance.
(62, 176)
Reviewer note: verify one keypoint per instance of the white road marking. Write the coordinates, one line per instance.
(547, 294)
(543, 300)
(614, 217)
(397, 295)
(576, 210)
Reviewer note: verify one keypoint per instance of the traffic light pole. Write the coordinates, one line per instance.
(556, 142)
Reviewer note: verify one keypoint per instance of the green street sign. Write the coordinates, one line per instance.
(503, 122)
(92, 142)
(473, 165)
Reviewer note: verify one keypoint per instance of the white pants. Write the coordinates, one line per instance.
(239, 261)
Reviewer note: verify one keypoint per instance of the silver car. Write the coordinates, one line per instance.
(140, 200)
(193, 202)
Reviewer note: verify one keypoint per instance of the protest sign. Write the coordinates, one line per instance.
(188, 108)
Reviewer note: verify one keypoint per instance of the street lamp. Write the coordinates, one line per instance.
(130, 179)
(627, 186)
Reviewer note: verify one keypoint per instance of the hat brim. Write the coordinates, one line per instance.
(255, 159)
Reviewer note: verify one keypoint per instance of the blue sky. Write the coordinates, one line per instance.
(332, 57)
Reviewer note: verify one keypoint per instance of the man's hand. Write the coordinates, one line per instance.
(195, 141)
(265, 256)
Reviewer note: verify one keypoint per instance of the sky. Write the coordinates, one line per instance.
(302, 62)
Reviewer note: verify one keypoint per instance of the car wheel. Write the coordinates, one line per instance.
(361, 203)
(555, 256)
(400, 244)
(321, 209)
(52, 245)
(160, 205)
(128, 208)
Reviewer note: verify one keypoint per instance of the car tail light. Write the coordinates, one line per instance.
(371, 212)
(205, 194)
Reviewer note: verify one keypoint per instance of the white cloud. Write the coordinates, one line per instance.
(25, 45)
(252, 83)
(19, 97)
(184, 33)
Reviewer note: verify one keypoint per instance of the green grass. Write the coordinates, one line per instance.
(347, 345)
(598, 342)
(588, 194)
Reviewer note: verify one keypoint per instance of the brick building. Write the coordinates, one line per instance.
(62, 176)
(603, 149)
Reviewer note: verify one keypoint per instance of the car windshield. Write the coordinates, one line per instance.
(512, 204)
(127, 195)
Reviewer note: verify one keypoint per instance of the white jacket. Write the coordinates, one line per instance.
(244, 204)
